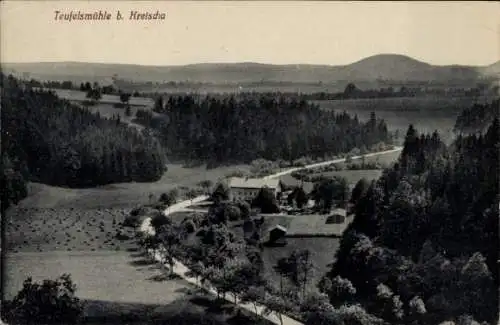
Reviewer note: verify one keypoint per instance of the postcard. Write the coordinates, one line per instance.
(265, 162)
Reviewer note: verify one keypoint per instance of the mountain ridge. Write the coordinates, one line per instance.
(395, 67)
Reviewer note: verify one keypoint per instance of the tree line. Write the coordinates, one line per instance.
(241, 128)
(423, 246)
(477, 117)
(52, 141)
(351, 91)
(108, 89)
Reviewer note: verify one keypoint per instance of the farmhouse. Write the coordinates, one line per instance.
(248, 188)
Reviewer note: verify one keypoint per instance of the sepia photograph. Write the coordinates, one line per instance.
(250, 162)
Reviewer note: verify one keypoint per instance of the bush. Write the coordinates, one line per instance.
(232, 212)
(51, 302)
(158, 220)
(197, 218)
(244, 209)
(220, 193)
(301, 162)
(189, 225)
(261, 167)
(132, 221)
(169, 197)
(139, 211)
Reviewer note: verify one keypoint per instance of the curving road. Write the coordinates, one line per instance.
(181, 270)
(330, 162)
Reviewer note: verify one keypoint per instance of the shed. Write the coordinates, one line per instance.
(338, 216)
(277, 232)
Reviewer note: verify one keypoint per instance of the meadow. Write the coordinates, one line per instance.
(425, 113)
(50, 230)
(121, 287)
(322, 254)
(322, 248)
(106, 105)
(352, 176)
(123, 195)
(80, 96)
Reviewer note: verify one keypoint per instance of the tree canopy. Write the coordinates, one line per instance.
(60, 143)
(242, 128)
(423, 246)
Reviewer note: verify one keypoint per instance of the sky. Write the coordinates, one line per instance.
(332, 33)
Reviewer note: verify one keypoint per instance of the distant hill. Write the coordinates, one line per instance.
(491, 70)
(388, 67)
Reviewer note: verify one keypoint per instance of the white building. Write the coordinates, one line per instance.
(246, 189)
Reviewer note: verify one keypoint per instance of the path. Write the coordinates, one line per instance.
(195, 210)
(330, 162)
(181, 270)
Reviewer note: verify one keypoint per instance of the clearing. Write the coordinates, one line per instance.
(106, 105)
(122, 195)
(80, 96)
(109, 111)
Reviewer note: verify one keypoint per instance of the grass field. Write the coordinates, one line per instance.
(120, 287)
(79, 96)
(425, 113)
(105, 275)
(323, 252)
(48, 230)
(353, 176)
(122, 195)
(105, 107)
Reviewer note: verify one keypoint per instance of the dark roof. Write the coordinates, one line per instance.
(278, 227)
(335, 218)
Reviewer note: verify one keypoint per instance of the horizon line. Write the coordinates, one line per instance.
(257, 62)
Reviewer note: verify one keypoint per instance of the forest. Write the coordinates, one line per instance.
(477, 117)
(423, 247)
(248, 126)
(49, 140)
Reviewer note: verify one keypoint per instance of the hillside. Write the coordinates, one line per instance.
(385, 66)
(492, 69)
